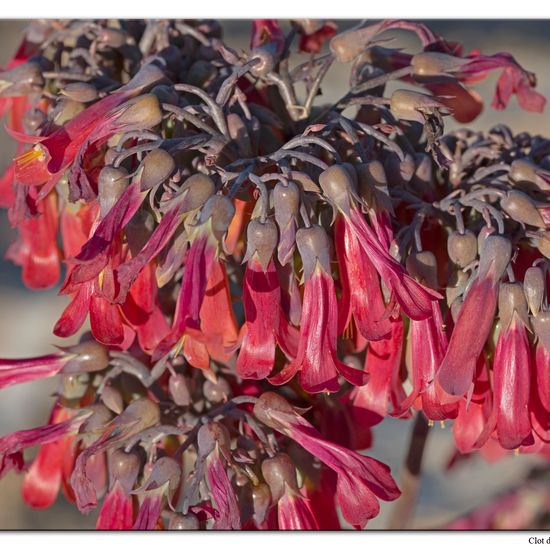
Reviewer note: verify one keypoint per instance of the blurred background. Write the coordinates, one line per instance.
(27, 318)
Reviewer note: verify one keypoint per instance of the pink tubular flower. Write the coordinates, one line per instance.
(383, 365)
(265, 324)
(214, 220)
(361, 479)
(87, 356)
(36, 249)
(213, 441)
(511, 370)
(361, 294)
(475, 318)
(414, 298)
(43, 480)
(13, 445)
(316, 357)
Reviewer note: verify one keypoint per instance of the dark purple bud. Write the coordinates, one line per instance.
(200, 73)
(520, 208)
(279, 473)
(157, 167)
(216, 392)
(181, 522)
(179, 390)
(533, 286)
(111, 184)
(462, 247)
(91, 356)
(124, 467)
(82, 92)
(314, 247)
(166, 94)
(262, 239)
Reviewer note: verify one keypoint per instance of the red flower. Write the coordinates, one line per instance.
(361, 294)
(316, 357)
(43, 480)
(213, 441)
(361, 479)
(475, 318)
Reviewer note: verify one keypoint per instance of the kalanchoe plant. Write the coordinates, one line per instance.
(267, 276)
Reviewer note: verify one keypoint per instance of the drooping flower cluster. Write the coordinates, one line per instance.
(266, 277)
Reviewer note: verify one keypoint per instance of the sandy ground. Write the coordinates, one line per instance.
(26, 318)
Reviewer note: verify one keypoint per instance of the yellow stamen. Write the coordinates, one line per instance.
(442, 424)
(178, 347)
(36, 153)
(430, 423)
(349, 331)
(100, 279)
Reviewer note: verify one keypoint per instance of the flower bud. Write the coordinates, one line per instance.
(110, 185)
(21, 80)
(435, 63)
(511, 299)
(200, 73)
(286, 203)
(165, 471)
(112, 399)
(533, 285)
(270, 402)
(193, 194)
(82, 92)
(423, 266)
(91, 356)
(409, 105)
(314, 246)
(74, 386)
(210, 435)
(541, 326)
(262, 239)
(181, 522)
(347, 45)
(142, 410)
(179, 390)
(520, 208)
(94, 424)
(221, 211)
(496, 251)
(279, 473)
(65, 111)
(124, 467)
(142, 111)
(338, 186)
(522, 170)
(146, 77)
(542, 242)
(400, 171)
(157, 167)
(462, 247)
(216, 392)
